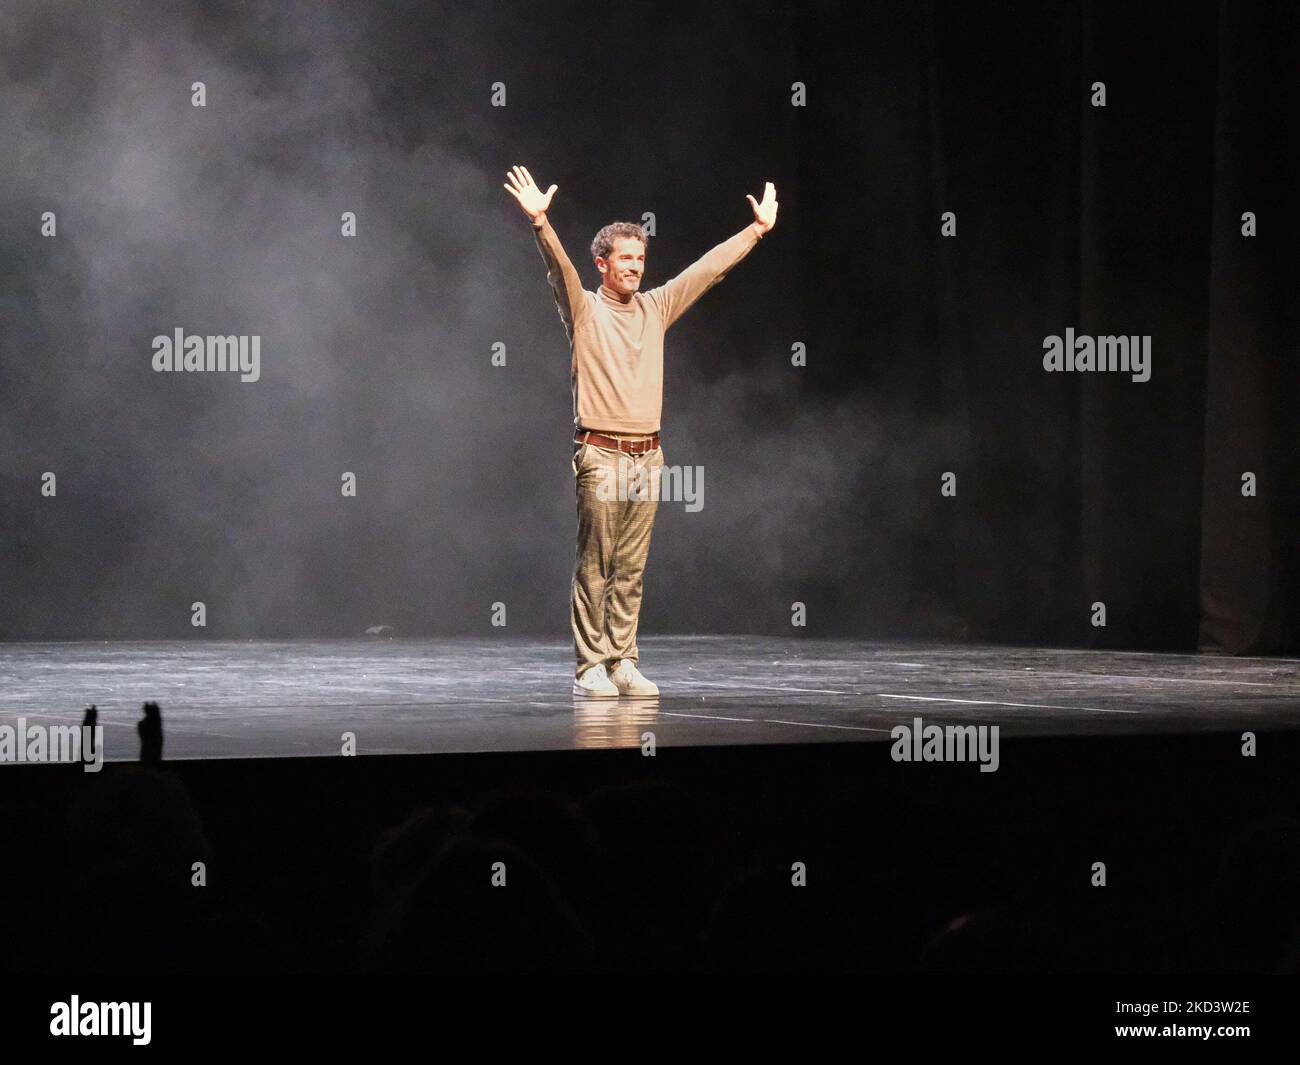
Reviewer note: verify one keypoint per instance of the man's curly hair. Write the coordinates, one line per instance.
(604, 242)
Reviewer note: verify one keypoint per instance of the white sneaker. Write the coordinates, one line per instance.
(595, 682)
(629, 681)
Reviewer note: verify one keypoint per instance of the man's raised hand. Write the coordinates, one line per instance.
(765, 212)
(532, 200)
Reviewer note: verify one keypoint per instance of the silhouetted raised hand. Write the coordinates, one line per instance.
(88, 723)
(151, 735)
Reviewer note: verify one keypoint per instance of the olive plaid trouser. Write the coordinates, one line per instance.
(618, 495)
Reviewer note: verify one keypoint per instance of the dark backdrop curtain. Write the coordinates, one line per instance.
(1250, 547)
(1073, 488)
(924, 352)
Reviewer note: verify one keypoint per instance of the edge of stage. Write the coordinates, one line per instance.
(742, 782)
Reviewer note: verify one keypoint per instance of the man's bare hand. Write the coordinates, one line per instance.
(532, 200)
(765, 212)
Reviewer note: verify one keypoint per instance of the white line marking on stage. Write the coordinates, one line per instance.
(814, 724)
(994, 702)
(742, 687)
(710, 717)
(1130, 676)
(1165, 654)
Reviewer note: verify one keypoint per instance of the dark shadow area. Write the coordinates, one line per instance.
(767, 859)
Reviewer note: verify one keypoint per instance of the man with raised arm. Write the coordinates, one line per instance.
(617, 338)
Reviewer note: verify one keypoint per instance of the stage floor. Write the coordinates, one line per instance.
(296, 698)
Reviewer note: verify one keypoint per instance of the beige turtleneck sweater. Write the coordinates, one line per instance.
(618, 348)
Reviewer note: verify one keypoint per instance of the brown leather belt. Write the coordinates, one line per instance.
(637, 445)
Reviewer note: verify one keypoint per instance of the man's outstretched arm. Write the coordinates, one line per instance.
(677, 296)
(564, 280)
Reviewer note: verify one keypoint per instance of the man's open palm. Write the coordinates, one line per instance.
(523, 188)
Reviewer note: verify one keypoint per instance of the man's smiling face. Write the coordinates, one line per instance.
(622, 271)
